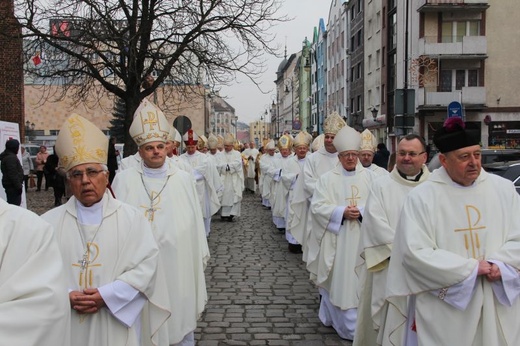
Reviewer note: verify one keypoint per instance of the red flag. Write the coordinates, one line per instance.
(36, 59)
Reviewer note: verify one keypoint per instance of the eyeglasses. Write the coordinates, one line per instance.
(78, 175)
(351, 155)
(412, 154)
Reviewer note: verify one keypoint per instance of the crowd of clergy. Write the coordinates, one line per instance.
(398, 257)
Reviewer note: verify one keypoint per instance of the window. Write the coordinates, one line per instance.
(454, 31)
(462, 78)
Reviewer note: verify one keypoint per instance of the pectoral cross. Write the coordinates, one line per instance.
(150, 212)
(474, 241)
(84, 262)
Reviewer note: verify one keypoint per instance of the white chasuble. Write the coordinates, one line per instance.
(281, 185)
(208, 181)
(177, 223)
(444, 229)
(122, 248)
(34, 301)
(336, 258)
(316, 165)
(232, 172)
(382, 210)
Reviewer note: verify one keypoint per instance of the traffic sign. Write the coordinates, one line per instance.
(455, 109)
(182, 124)
(296, 125)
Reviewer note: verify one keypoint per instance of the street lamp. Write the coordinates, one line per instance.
(236, 126)
(374, 111)
(308, 67)
(275, 114)
(289, 87)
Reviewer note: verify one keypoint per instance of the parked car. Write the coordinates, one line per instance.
(499, 155)
(508, 170)
(489, 156)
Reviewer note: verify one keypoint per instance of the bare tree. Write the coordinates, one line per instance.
(110, 46)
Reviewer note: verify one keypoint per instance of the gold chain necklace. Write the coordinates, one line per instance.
(85, 260)
(151, 210)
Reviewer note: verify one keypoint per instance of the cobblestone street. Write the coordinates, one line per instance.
(259, 293)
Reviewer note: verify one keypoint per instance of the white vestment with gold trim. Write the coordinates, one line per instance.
(123, 249)
(338, 241)
(178, 227)
(444, 230)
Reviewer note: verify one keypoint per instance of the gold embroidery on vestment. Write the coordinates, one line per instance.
(473, 248)
(354, 196)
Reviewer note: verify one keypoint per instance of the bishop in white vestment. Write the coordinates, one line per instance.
(232, 173)
(317, 164)
(34, 304)
(168, 198)
(382, 210)
(208, 182)
(456, 252)
(337, 207)
(110, 254)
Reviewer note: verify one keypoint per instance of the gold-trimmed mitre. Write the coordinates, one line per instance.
(212, 141)
(229, 139)
(220, 141)
(302, 138)
(285, 142)
(270, 145)
(80, 141)
(333, 123)
(318, 143)
(174, 135)
(149, 124)
(368, 141)
(202, 143)
(347, 139)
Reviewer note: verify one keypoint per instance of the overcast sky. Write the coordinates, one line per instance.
(244, 96)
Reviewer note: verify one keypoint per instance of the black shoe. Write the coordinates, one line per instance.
(281, 230)
(295, 248)
(230, 218)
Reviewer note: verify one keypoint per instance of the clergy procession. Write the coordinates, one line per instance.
(402, 257)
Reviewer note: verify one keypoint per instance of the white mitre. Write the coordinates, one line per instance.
(368, 141)
(347, 139)
(229, 139)
(212, 141)
(79, 142)
(270, 145)
(149, 124)
(174, 135)
(318, 143)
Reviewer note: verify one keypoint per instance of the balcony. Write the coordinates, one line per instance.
(469, 46)
(450, 5)
(469, 96)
